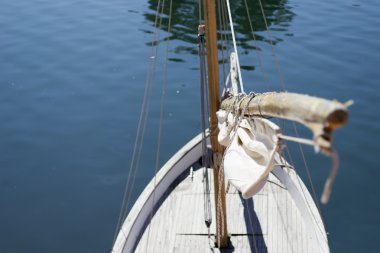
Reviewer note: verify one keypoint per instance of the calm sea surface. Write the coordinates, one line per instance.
(72, 76)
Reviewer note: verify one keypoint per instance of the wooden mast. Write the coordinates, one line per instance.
(222, 240)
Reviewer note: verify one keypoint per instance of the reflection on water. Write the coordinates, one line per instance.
(71, 84)
(185, 20)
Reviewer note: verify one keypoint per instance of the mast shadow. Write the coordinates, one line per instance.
(256, 240)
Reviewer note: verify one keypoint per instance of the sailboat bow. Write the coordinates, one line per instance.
(260, 203)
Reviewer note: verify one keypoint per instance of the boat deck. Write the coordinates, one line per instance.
(268, 222)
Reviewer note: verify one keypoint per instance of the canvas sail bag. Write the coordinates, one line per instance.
(249, 157)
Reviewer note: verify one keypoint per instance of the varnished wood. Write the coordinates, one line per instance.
(214, 98)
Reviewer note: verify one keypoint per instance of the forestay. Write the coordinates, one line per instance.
(251, 148)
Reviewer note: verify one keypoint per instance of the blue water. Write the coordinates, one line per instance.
(72, 74)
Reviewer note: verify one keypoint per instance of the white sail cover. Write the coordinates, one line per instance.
(251, 148)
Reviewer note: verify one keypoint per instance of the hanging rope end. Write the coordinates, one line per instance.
(330, 180)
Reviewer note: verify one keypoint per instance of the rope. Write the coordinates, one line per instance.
(265, 75)
(220, 217)
(282, 79)
(282, 158)
(280, 73)
(278, 67)
(235, 48)
(200, 11)
(238, 119)
(221, 39)
(161, 116)
(307, 170)
(224, 23)
(225, 41)
(203, 77)
(330, 180)
(140, 127)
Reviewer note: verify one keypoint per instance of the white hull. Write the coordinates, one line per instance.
(140, 212)
(285, 219)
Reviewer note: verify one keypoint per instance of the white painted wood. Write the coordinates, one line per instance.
(314, 226)
(281, 218)
(140, 212)
(234, 74)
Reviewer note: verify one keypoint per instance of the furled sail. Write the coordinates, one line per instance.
(251, 147)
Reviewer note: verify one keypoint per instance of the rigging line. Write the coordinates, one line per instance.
(282, 218)
(206, 184)
(128, 187)
(227, 34)
(226, 24)
(235, 48)
(222, 41)
(150, 83)
(206, 187)
(307, 169)
(224, 18)
(203, 75)
(278, 67)
(164, 81)
(202, 89)
(280, 73)
(206, 88)
(148, 87)
(163, 92)
(277, 63)
(200, 11)
(265, 75)
(225, 41)
(282, 158)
